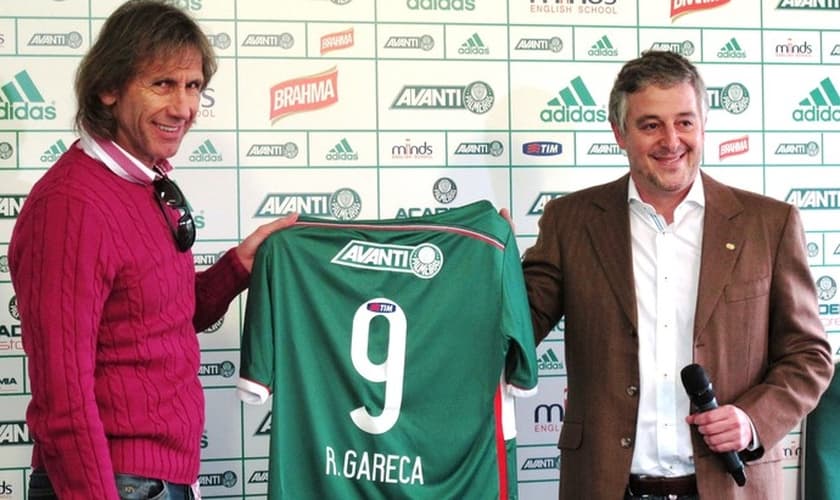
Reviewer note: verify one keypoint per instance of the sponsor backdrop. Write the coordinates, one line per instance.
(354, 109)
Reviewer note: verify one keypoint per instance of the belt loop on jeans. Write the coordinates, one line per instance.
(639, 485)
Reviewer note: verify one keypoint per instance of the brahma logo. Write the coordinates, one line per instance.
(304, 94)
(476, 97)
(814, 198)
(542, 148)
(338, 40)
(20, 99)
(72, 40)
(573, 104)
(10, 205)
(821, 105)
(423, 261)
(538, 206)
(733, 98)
(734, 147)
(680, 7)
(798, 149)
(809, 5)
(553, 44)
(343, 204)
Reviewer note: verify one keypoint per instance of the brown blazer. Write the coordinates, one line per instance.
(757, 332)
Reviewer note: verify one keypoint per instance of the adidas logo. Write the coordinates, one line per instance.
(52, 153)
(550, 361)
(20, 99)
(474, 46)
(572, 102)
(821, 105)
(206, 151)
(731, 50)
(603, 47)
(342, 151)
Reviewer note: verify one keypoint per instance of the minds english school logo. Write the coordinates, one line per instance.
(814, 198)
(423, 261)
(343, 204)
(307, 93)
(821, 106)
(816, 5)
(20, 99)
(573, 104)
(477, 97)
(588, 7)
(794, 49)
(681, 7)
(337, 41)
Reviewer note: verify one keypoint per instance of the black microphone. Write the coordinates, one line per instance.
(702, 396)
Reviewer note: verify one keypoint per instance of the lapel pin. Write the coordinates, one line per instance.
(730, 246)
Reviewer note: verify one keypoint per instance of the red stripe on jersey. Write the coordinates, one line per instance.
(501, 450)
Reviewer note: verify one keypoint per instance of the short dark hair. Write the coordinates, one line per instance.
(138, 32)
(655, 67)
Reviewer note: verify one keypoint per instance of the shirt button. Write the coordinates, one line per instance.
(632, 390)
(626, 442)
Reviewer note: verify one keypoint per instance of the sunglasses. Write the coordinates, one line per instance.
(168, 194)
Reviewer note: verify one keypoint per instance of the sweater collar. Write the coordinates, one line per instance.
(120, 161)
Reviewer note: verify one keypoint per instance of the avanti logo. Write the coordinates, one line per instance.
(814, 198)
(604, 149)
(227, 479)
(493, 148)
(542, 148)
(821, 105)
(283, 40)
(731, 50)
(440, 4)
(10, 205)
(476, 97)
(205, 152)
(542, 463)
(603, 48)
(809, 4)
(52, 153)
(474, 45)
(72, 39)
(307, 93)
(798, 149)
(684, 48)
(337, 41)
(835, 51)
(553, 44)
(423, 42)
(264, 429)
(288, 150)
(544, 197)
(258, 477)
(573, 105)
(424, 260)
(343, 204)
(734, 98)
(225, 369)
(20, 99)
(14, 432)
(342, 152)
(219, 40)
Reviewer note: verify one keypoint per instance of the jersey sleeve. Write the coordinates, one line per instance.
(257, 352)
(521, 359)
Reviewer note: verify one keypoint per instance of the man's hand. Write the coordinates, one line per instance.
(726, 428)
(248, 248)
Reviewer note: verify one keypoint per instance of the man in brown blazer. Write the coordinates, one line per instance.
(662, 268)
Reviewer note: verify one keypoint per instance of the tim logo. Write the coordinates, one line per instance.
(542, 148)
(307, 93)
(20, 99)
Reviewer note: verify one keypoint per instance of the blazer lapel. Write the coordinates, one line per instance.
(723, 238)
(609, 233)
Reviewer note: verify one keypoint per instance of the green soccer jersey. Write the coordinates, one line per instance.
(392, 350)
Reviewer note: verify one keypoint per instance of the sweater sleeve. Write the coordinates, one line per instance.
(216, 287)
(59, 268)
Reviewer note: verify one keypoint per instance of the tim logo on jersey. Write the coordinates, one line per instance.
(424, 260)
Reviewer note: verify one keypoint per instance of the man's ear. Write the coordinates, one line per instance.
(108, 98)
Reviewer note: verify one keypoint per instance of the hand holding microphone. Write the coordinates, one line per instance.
(702, 396)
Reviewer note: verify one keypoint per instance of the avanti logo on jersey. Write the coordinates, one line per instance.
(734, 147)
(288, 150)
(20, 99)
(52, 153)
(206, 152)
(681, 7)
(553, 44)
(809, 5)
(542, 148)
(731, 50)
(684, 48)
(424, 260)
(14, 433)
(477, 97)
(423, 42)
(283, 40)
(814, 198)
(798, 149)
(734, 98)
(493, 148)
(821, 105)
(603, 48)
(10, 205)
(228, 479)
(573, 103)
(338, 40)
(303, 94)
(343, 204)
(541, 463)
(72, 39)
(544, 197)
(342, 151)
(474, 45)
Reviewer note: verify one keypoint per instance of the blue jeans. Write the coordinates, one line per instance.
(129, 488)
